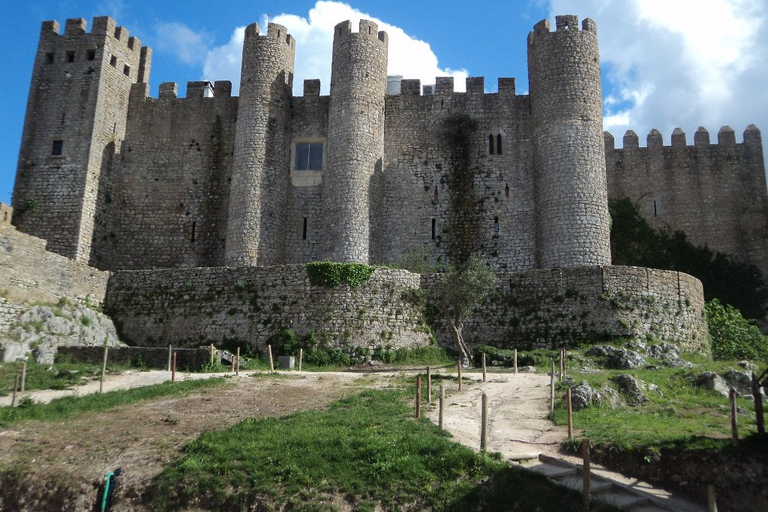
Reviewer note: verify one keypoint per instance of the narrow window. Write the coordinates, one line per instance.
(506, 191)
(49, 58)
(127, 70)
(194, 228)
(70, 56)
(113, 61)
(495, 227)
(655, 212)
(434, 229)
(304, 230)
(435, 194)
(91, 54)
(498, 144)
(58, 147)
(63, 117)
(490, 145)
(309, 157)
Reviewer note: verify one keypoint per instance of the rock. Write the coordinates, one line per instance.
(617, 358)
(637, 346)
(669, 355)
(527, 369)
(630, 387)
(711, 380)
(748, 365)
(611, 397)
(582, 395)
(740, 381)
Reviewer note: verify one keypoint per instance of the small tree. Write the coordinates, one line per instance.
(463, 288)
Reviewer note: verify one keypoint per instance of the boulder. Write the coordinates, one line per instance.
(713, 381)
(669, 355)
(617, 358)
(582, 396)
(631, 388)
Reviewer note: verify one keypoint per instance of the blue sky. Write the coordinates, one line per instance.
(666, 63)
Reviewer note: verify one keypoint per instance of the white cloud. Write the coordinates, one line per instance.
(112, 8)
(187, 45)
(684, 63)
(408, 56)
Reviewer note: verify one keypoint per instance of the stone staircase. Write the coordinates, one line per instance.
(610, 487)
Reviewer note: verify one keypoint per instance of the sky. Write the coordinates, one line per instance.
(665, 63)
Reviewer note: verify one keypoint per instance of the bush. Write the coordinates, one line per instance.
(732, 335)
(331, 274)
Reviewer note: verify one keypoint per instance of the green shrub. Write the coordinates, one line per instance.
(732, 335)
(331, 274)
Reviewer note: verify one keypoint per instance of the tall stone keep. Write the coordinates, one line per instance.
(260, 174)
(572, 222)
(355, 147)
(76, 117)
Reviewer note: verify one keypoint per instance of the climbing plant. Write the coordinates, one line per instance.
(332, 274)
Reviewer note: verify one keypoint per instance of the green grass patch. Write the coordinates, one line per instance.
(70, 407)
(366, 449)
(62, 375)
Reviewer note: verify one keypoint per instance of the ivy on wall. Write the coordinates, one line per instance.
(331, 274)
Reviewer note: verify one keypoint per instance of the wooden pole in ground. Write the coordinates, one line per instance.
(173, 368)
(562, 356)
(429, 385)
(565, 362)
(231, 362)
(552, 393)
(458, 365)
(758, 405)
(237, 364)
(271, 361)
(103, 369)
(170, 356)
(712, 498)
(23, 376)
(734, 420)
(515, 360)
(418, 396)
(570, 414)
(585, 472)
(484, 424)
(441, 406)
(301, 356)
(484, 374)
(15, 385)
(213, 352)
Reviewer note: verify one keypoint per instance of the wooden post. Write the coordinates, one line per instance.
(570, 414)
(565, 362)
(301, 356)
(458, 365)
(484, 375)
(418, 396)
(552, 393)
(213, 352)
(484, 424)
(562, 362)
(231, 362)
(712, 498)
(734, 419)
(758, 405)
(441, 406)
(271, 361)
(515, 360)
(170, 356)
(237, 359)
(173, 368)
(15, 385)
(103, 369)
(23, 376)
(429, 385)
(585, 472)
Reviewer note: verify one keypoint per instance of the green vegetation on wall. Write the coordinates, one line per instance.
(331, 274)
(733, 336)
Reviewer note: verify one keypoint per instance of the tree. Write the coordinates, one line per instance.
(464, 287)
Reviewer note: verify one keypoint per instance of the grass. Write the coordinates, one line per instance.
(70, 407)
(61, 375)
(365, 450)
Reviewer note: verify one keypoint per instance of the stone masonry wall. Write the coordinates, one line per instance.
(194, 307)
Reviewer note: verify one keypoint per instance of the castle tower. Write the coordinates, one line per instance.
(355, 138)
(76, 117)
(572, 222)
(260, 175)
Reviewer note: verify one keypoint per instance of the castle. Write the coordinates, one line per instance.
(380, 169)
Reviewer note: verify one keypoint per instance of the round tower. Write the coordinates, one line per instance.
(572, 221)
(355, 146)
(260, 177)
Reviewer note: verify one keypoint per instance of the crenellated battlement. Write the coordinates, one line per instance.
(446, 85)
(275, 33)
(726, 137)
(366, 28)
(102, 25)
(195, 89)
(563, 23)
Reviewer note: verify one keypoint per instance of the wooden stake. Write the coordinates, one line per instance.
(565, 362)
(418, 396)
(562, 357)
(213, 352)
(429, 385)
(173, 368)
(23, 376)
(301, 356)
(15, 385)
(231, 362)
(734, 419)
(103, 369)
(712, 498)
(271, 361)
(484, 375)
(570, 414)
(552, 393)
(458, 365)
(515, 360)
(484, 424)
(585, 472)
(237, 359)
(758, 405)
(441, 405)
(170, 356)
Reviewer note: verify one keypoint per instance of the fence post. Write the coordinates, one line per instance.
(23, 376)
(734, 420)
(515, 360)
(301, 356)
(458, 365)
(484, 374)
(418, 396)
(484, 424)
(562, 356)
(103, 369)
(570, 414)
(565, 362)
(441, 405)
(237, 358)
(170, 356)
(15, 385)
(213, 357)
(758, 405)
(711, 498)
(429, 385)
(173, 368)
(585, 472)
(271, 361)
(552, 393)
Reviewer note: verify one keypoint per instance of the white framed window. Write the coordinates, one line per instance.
(308, 156)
